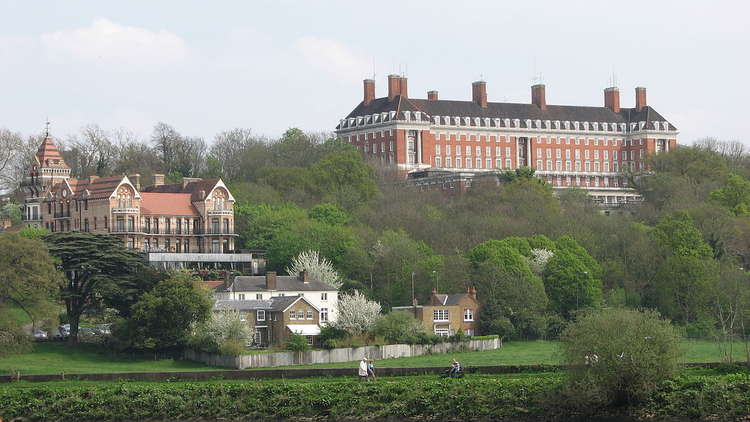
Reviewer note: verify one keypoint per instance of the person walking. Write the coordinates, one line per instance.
(371, 370)
(454, 369)
(363, 370)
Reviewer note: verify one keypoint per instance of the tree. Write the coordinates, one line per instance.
(228, 151)
(357, 314)
(163, 318)
(618, 356)
(570, 284)
(684, 285)
(345, 179)
(678, 234)
(319, 268)
(735, 195)
(28, 277)
(91, 263)
(16, 158)
(225, 332)
(329, 214)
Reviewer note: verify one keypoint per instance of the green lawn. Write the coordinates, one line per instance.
(529, 353)
(54, 358)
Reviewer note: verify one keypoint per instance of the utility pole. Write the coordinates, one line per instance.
(413, 298)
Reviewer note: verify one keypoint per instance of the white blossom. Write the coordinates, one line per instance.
(539, 259)
(317, 267)
(357, 314)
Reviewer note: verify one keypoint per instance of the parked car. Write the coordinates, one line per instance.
(39, 335)
(86, 331)
(63, 330)
(103, 329)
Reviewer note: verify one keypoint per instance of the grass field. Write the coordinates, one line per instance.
(54, 358)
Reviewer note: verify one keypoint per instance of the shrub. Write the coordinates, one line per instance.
(618, 356)
(224, 331)
(297, 343)
(400, 327)
(12, 338)
(330, 336)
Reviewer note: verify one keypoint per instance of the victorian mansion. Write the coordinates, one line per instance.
(195, 216)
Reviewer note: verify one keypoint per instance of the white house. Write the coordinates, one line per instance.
(321, 295)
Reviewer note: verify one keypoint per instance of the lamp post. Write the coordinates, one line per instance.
(437, 280)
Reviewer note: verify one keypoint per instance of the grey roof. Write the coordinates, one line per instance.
(283, 283)
(449, 300)
(243, 305)
(276, 303)
(511, 111)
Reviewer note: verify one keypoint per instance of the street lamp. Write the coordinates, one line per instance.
(437, 279)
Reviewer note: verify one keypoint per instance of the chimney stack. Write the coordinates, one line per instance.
(479, 93)
(640, 98)
(158, 179)
(369, 85)
(394, 86)
(92, 178)
(135, 179)
(303, 276)
(432, 95)
(473, 292)
(270, 280)
(403, 87)
(538, 96)
(227, 279)
(612, 99)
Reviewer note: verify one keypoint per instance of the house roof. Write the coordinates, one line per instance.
(193, 188)
(283, 283)
(449, 300)
(275, 304)
(48, 153)
(153, 203)
(521, 111)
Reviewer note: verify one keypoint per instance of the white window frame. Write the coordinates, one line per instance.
(437, 315)
(260, 315)
(468, 315)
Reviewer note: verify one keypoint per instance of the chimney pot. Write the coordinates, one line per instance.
(158, 179)
(432, 95)
(538, 96)
(403, 87)
(135, 179)
(271, 280)
(640, 98)
(92, 178)
(479, 93)
(303, 276)
(394, 86)
(612, 99)
(369, 86)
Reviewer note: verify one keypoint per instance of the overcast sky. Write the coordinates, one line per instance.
(205, 66)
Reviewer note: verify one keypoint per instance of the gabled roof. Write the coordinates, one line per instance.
(194, 188)
(449, 300)
(99, 188)
(177, 204)
(283, 283)
(275, 304)
(523, 112)
(48, 153)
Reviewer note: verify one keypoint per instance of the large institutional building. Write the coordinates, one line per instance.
(447, 143)
(195, 216)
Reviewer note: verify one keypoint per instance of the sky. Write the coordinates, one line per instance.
(204, 67)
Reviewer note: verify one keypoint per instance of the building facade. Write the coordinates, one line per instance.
(273, 320)
(592, 148)
(448, 313)
(321, 295)
(195, 216)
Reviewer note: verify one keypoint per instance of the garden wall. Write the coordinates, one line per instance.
(265, 360)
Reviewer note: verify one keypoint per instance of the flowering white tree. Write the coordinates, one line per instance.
(225, 326)
(318, 267)
(539, 259)
(357, 314)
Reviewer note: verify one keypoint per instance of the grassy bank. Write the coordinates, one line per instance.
(54, 358)
(711, 396)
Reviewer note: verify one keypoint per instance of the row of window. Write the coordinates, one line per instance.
(300, 315)
(595, 181)
(259, 296)
(440, 315)
(260, 315)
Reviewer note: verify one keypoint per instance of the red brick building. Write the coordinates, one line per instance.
(435, 141)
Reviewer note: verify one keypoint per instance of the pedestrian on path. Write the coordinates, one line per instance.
(363, 369)
(371, 370)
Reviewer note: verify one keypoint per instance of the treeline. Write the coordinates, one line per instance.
(684, 251)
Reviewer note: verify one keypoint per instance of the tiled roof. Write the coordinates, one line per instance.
(48, 153)
(448, 300)
(178, 204)
(277, 304)
(283, 283)
(452, 108)
(98, 188)
(194, 188)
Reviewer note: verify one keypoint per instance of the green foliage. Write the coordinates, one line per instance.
(684, 286)
(735, 195)
(345, 179)
(330, 336)
(400, 327)
(571, 284)
(619, 356)
(31, 232)
(225, 332)
(297, 343)
(678, 235)
(162, 318)
(13, 339)
(329, 214)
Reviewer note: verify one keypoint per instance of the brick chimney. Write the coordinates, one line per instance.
(158, 179)
(271, 280)
(135, 179)
(369, 86)
(403, 87)
(479, 93)
(303, 276)
(92, 178)
(473, 292)
(640, 98)
(432, 95)
(538, 96)
(227, 279)
(612, 99)
(394, 86)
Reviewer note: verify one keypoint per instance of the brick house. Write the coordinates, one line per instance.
(444, 144)
(275, 319)
(448, 313)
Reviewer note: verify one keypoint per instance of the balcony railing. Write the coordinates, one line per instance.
(218, 231)
(220, 212)
(125, 230)
(125, 210)
(32, 218)
(63, 214)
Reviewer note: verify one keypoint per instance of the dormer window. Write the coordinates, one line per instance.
(567, 125)
(418, 116)
(467, 121)
(391, 115)
(547, 124)
(528, 123)
(497, 122)
(641, 125)
(487, 121)
(516, 122)
(538, 124)
(375, 118)
(585, 125)
(457, 121)
(557, 124)
(665, 126)
(477, 121)
(596, 126)
(436, 119)
(367, 119)
(576, 125)
(506, 122)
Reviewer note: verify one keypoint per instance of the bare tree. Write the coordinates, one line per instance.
(16, 158)
(90, 152)
(227, 153)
